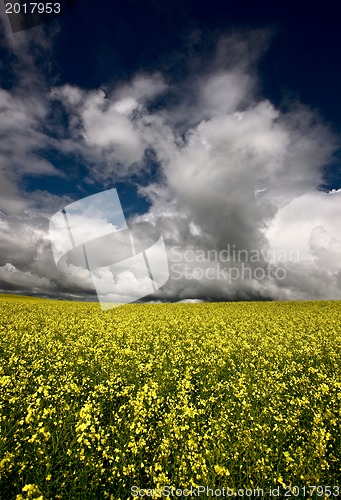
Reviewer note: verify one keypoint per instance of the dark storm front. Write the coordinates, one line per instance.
(23, 15)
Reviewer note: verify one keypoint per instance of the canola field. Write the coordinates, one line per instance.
(120, 404)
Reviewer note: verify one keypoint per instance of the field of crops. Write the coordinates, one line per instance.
(226, 395)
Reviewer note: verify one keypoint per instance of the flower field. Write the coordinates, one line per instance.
(234, 395)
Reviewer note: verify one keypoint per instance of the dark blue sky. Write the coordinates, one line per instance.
(102, 44)
(107, 42)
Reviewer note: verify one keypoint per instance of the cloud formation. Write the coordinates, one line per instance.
(234, 172)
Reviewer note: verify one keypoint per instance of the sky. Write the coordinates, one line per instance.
(219, 125)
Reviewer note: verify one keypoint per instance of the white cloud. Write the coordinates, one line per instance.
(223, 92)
(17, 279)
(104, 127)
(233, 170)
(21, 140)
(293, 225)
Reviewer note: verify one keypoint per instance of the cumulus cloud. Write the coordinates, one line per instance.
(106, 129)
(27, 264)
(14, 279)
(24, 121)
(22, 140)
(235, 196)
